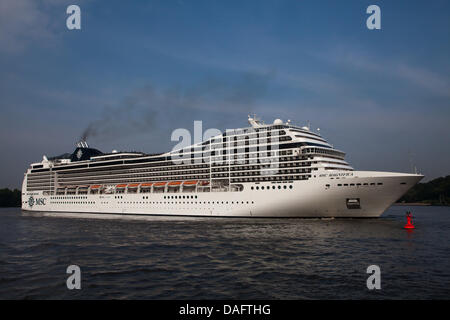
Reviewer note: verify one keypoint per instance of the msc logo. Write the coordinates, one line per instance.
(31, 201)
(39, 202)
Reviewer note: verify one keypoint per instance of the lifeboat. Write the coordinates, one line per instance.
(159, 184)
(204, 183)
(146, 185)
(133, 185)
(174, 183)
(95, 186)
(119, 186)
(190, 183)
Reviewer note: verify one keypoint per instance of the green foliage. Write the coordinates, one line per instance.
(436, 192)
(10, 198)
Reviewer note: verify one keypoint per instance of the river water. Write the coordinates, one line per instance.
(224, 258)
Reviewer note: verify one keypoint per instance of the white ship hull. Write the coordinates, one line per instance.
(326, 195)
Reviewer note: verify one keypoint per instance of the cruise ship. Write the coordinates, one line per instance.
(264, 170)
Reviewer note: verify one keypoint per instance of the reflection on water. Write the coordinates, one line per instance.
(214, 258)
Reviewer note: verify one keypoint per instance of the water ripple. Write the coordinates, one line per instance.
(201, 258)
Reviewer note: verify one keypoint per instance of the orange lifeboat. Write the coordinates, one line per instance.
(190, 183)
(95, 186)
(159, 184)
(133, 185)
(174, 183)
(121, 186)
(146, 185)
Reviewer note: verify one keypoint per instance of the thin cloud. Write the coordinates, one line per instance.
(415, 75)
(425, 79)
(22, 22)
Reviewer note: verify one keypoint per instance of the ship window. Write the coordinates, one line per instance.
(379, 183)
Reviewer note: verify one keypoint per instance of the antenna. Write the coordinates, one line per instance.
(411, 162)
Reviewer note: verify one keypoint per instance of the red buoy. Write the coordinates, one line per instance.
(409, 224)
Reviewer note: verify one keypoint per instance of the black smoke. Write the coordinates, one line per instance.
(148, 109)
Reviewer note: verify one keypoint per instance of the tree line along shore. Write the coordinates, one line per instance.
(10, 198)
(435, 192)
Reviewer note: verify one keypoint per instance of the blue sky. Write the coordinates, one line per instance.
(137, 70)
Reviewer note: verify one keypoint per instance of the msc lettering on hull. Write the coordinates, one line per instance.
(38, 202)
